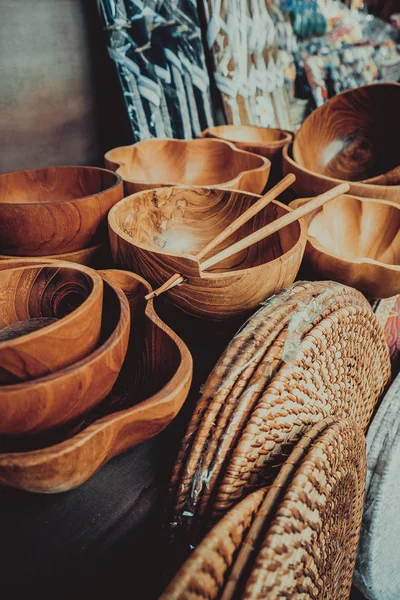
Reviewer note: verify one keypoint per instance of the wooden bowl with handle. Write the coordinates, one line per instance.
(356, 241)
(96, 257)
(354, 136)
(158, 162)
(152, 386)
(55, 210)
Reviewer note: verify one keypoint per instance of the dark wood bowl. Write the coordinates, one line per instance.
(40, 404)
(152, 386)
(157, 162)
(158, 233)
(354, 136)
(96, 257)
(50, 317)
(55, 210)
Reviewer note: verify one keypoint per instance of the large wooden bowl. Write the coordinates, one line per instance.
(153, 385)
(43, 403)
(158, 233)
(354, 136)
(356, 241)
(50, 317)
(96, 257)
(156, 163)
(55, 210)
(312, 184)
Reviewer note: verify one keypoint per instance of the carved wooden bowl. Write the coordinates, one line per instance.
(354, 136)
(265, 141)
(152, 386)
(96, 257)
(156, 163)
(158, 233)
(309, 183)
(55, 210)
(42, 403)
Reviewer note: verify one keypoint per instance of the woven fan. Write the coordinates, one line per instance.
(297, 539)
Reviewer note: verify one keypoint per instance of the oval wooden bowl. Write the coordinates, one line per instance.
(309, 183)
(96, 257)
(158, 233)
(56, 209)
(152, 386)
(267, 142)
(356, 241)
(50, 317)
(43, 403)
(156, 163)
(354, 136)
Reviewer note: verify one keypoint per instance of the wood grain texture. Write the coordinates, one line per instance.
(71, 297)
(96, 257)
(309, 183)
(354, 136)
(153, 385)
(356, 241)
(55, 210)
(158, 233)
(43, 403)
(157, 162)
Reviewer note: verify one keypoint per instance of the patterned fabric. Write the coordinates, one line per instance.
(388, 312)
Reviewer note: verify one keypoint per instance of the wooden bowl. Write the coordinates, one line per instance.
(96, 257)
(356, 241)
(354, 136)
(55, 210)
(50, 317)
(312, 184)
(153, 385)
(156, 163)
(43, 403)
(158, 233)
(265, 141)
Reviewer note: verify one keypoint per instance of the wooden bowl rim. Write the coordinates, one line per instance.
(286, 138)
(179, 380)
(264, 162)
(117, 183)
(95, 294)
(300, 243)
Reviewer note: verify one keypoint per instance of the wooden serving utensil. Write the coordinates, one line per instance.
(257, 236)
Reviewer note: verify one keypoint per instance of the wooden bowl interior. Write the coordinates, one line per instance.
(54, 184)
(248, 134)
(182, 221)
(354, 136)
(194, 162)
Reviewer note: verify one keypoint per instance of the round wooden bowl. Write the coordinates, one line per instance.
(50, 317)
(96, 257)
(354, 136)
(356, 241)
(55, 210)
(265, 141)
(43, 403)
(158, 233)
(156, 163)
(309, 183)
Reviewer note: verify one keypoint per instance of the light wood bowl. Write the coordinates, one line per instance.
(150, 391)
(96, 257)
(354, 136)
(356, 241)
(265, 141)
(34, 406)
(158, 233)
(312, 184)
(55, 210)
(156, 163)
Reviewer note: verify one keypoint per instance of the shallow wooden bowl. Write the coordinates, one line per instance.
(153, 385)
(156, 163)
(96, 257)
(312, 184)
(265, 141)
(354, 136)
(50, 317)
(356, 241)
(55, 210)
(158, 233)
(43, 403)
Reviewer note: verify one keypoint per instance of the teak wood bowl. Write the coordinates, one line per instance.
(46, 402)
(157, 162)
(354, 136)
(96, 257)
(158, 233)
(55, 210)
(267, 142)
(356, 241)
(309, 183)
(152, 387)
(50, 317)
